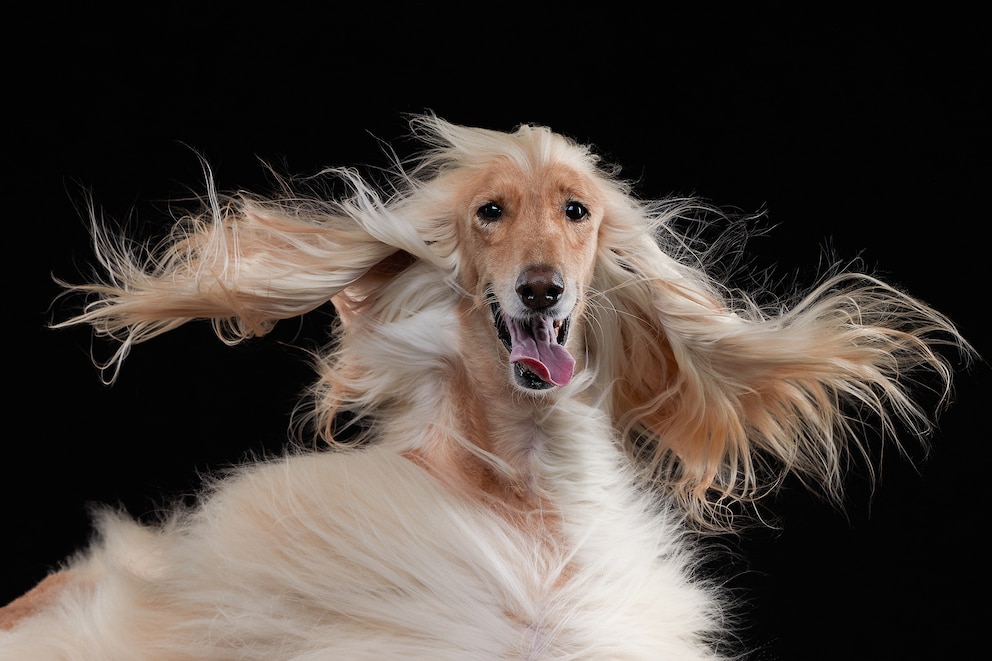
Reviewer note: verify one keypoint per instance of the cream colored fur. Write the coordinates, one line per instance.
(476, 516)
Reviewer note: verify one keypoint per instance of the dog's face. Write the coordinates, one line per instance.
(529, 237)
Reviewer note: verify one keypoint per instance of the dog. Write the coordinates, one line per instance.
(538, 396)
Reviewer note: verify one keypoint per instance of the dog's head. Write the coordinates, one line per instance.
(528, 211)
(529, 234)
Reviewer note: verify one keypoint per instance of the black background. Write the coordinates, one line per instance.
(864, 132)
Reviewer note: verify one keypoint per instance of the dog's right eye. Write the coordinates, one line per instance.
(489, 212)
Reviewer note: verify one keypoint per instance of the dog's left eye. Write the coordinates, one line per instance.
(489, 211)
(575, 211)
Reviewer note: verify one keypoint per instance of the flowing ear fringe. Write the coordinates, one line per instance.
(719, 404)
(241, 262)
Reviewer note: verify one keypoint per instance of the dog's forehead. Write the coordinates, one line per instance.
(511, 182)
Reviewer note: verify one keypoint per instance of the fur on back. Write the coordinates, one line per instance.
(544, 389)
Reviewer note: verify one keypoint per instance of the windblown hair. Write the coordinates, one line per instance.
(544, 380)
(713, 395)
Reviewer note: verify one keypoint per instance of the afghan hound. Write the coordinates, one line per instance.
(537, 394)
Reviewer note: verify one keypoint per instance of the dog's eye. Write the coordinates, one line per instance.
(490, 211)
(575, 211)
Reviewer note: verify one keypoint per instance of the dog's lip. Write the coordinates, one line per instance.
(501, 329)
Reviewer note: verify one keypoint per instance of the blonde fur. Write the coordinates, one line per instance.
(480, 513)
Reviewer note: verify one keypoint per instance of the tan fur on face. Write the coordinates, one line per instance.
(533, 229)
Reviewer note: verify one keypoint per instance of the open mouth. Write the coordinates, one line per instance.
(536, 346)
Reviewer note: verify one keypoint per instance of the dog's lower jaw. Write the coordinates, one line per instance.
(527, 380)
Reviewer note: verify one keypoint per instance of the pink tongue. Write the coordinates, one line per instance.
(538, 349)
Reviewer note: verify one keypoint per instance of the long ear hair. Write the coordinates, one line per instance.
(719, 398)
(242, 261)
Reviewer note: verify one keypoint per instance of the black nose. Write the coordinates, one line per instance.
(540, 287)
